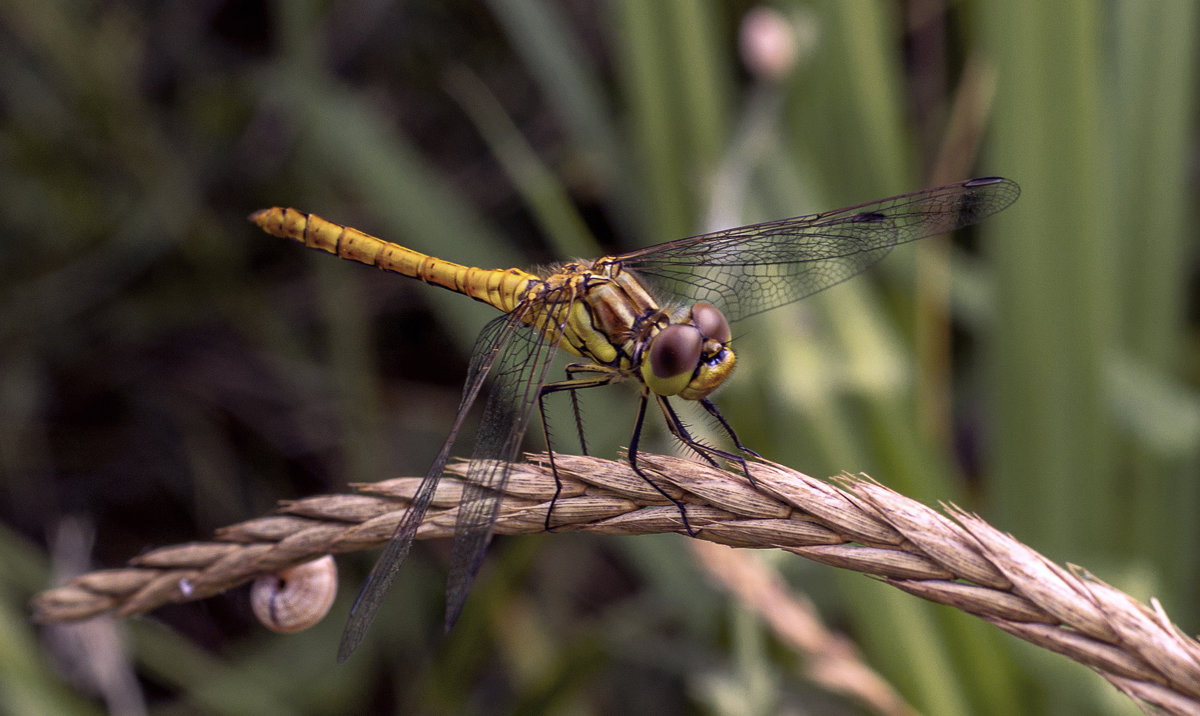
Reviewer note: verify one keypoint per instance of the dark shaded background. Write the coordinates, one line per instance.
(166, 368)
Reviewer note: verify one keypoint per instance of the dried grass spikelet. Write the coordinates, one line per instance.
(952, 558)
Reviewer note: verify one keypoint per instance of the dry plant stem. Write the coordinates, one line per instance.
(856, 524)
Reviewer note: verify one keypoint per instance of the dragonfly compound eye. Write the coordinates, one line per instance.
(711, 322)
(674, 356)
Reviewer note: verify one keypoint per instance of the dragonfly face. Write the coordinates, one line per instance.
(601, 311)
(691, 358)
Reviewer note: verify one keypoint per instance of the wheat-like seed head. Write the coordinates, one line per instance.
(952, 558)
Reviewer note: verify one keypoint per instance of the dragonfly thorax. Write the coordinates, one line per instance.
(689, 358)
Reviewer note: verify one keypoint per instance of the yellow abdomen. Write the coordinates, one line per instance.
(502, 288)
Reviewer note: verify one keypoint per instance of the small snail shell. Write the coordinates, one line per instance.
(295, 598)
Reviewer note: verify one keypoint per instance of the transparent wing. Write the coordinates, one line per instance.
(752, 269)
(515, 382)
(505, 351)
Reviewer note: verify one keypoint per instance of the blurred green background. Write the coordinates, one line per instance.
(166, 368)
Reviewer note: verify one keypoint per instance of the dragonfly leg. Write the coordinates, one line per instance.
(578, 422)
(571, 385)
(550, 452)
(633, 453)
(572, 369)
(712, 409)
(679, 430)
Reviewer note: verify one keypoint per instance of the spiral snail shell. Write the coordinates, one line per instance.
(296, 598)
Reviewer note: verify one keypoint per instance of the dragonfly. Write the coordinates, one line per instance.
(657, 317)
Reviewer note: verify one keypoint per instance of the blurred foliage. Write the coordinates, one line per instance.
(165, 368)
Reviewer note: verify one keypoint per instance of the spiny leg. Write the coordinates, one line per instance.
(571, 384)
(633, 453)
(578, 423)
(550, 452)
(712, 410)
(571, 370)
(679, 430)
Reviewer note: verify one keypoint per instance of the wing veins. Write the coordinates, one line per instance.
(383, 574)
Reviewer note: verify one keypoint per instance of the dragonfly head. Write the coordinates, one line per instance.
(692, 357)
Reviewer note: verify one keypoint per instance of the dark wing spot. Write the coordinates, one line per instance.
(983, 181)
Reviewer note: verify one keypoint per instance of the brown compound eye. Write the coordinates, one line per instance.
(711, 322)
(675, 352)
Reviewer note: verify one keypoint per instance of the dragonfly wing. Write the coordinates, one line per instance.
(755, 268)
(514, 384)
(488, 346)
